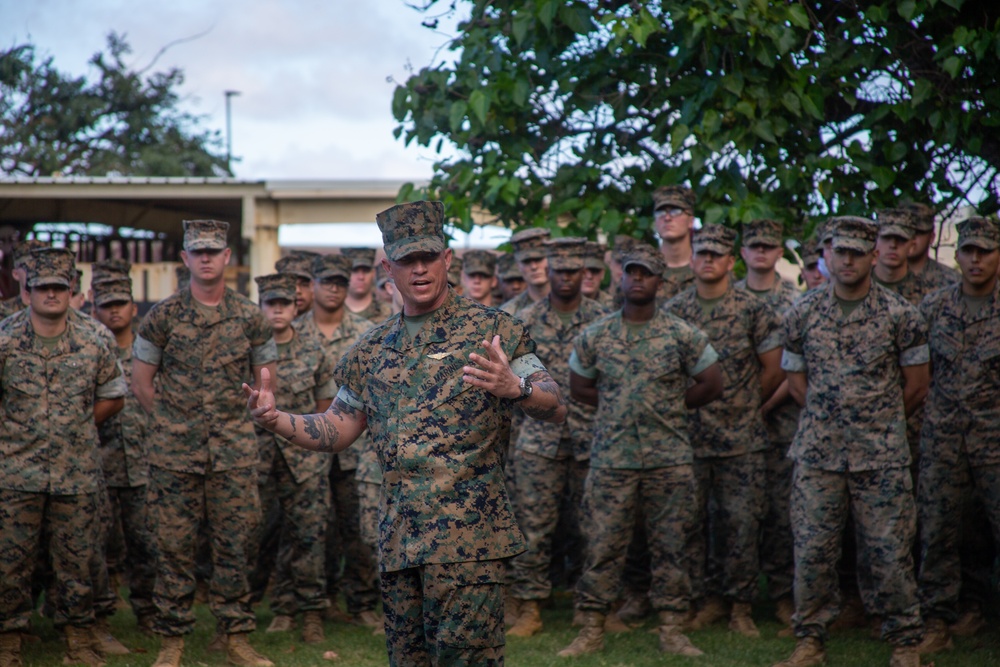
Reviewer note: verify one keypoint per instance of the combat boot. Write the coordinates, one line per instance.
(78, 648)
(368, 618)
(512, 607)
(529, 620)
(905, 656)
(808, 651)
(615, 625)
(937, 637)
(635, 609)
(590, 639)
(103, 642)
(714, 610)
(740, 621)
(10, 649)
(240, 653)
(672, 640)
(784, 607)
(281, 623)
(219, 642)
(171, 650)
(312, 627)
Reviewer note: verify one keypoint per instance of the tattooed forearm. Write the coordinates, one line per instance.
(321, 432)
(546, 402)
(341, 409)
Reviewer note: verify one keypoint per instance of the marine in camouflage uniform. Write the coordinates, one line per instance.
(202, 447)
(934, 274)
(510, 282)
(593, 275)
(761, 249)
(52, 390)
(299, 264)
(362, 270)
(350, 561)
(895, 234)
(849, 350)
(123, 449)
(14, 304)
(729, 438)
(958, 443)
(478, 276)
(550, 463)
(673, 219)
(529, 254)
(636, 365)
(292, 477)
(437, 409)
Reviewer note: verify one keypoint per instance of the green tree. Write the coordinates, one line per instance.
(121, 123)
(577, 109)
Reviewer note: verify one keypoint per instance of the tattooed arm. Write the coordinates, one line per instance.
(330, 431)
(493, 374)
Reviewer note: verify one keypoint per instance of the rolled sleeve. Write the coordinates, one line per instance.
(112, 389)
(915, 356)
(347, 396)
(792, 362)
(526, 364)
(265, 353)
(707, 358)
(146, 352)
(577, 367)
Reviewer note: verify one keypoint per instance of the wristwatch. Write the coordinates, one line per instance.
(525, 390)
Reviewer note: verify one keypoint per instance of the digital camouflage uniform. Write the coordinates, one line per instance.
(641, 455)
(777, 561)
(528, 244)
(203, 451)
(10, 306)
(550, 464)
(958, 444)
(376, 311)
(851, 455)
(730, 443)
(936, 275)
(50, 466)
(350, 561)
(911, 288)
(294, 477)
(369, 481)
(445, 521)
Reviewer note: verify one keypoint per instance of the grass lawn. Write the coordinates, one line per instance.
(358, 647)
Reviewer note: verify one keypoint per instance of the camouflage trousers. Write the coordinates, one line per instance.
(228, 504)
(128, 504)
(300, 566)
(69, 521)
(445, 615)
(881, 502)
(777, 547)
(105, 599)
(946, 492)
(723, 549)
(543, 486)
(350, 562)
(611, 502)
(368, 495)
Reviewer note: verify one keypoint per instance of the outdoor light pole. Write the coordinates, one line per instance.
(229, 129)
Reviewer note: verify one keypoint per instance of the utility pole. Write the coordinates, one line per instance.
(229, 129)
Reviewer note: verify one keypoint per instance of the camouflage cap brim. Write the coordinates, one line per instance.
(397, 250)
(981, 242)
(274, 294)
(759, 238)
(511, 274)
(204, 243)
(101, 298)
(712, 246)
(647, 264)
(593, 263)
(42, 280)
(851, 243)
(565, 263)
(901, 231)
(530, 253)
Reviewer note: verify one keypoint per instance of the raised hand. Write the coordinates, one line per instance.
(260, 402)
(492, 372)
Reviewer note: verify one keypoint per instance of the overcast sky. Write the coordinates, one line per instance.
(314, 75)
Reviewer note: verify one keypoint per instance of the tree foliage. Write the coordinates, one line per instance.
(121, 123)
(577, 109)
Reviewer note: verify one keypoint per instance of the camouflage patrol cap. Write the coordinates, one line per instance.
(109, 269)
(853, 232)
(24, 248)
(330, 266)
(298, 263)
(566, 254)
(414, 227)
(50, 266)
(623, 243)
(809, 252)
(455, 271)
(205, 235)
(479, 261)
(762, 232)
(360, 257)
(923, 217)
(530, 243)
(112, 290)
(277, 286)
(671, 196)
(507, 268)
(645, 255)
(895, 222)
(183, 274)
(824, 232)
(714, 238)
(593, 257)
(980, 232)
